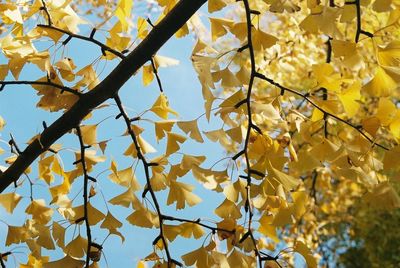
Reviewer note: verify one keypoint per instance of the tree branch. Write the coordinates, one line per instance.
(85, 195)
(164, 30)
(89, 39)
(43, 83)
(326, 113)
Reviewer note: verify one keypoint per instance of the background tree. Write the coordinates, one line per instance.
(304, 97)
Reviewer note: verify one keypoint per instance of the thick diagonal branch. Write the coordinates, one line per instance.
(175, 19)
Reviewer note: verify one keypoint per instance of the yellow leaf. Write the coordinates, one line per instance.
(9, 201)
(126, 199)
(77, 247)
(161, 127)
(191, 128)
(161, 107)
(302, 248)
(17, 234)
(89, 134)
(381, 85)
(387, 111)
(383, 196)
(162, 61)
(148, 74)
(233, 99)
(190, 160)
(67, 261)
(123, 12)
(218, 27)
(143, 218)
(262, 40)
(228, 210)
(180, 193)
(283, 217)
(45, 169)
(3, 71)
(171, 231)
(288, 182)
(200, 257)
(227, 77)
(189, 230)
(141, 264)
(343, 48)
(94, 215)
(350, 98)
(58, 233)
(66, 68)
(215, 5)
(266, 227)
(124, 177)
(173, 143)
(299, 203)
(112, 224)
(44, 239)
(89, 77)
(327, 77)
(39, 211)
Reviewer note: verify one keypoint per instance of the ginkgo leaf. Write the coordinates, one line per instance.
(350, 98)
(67, 261)
(387, 111)
(173, 143)
(39, 211)
(94, 215)
(124, 177)
(215, 5)
(381, 85)
(189, 230)
(77, 247)
(163, 127)
(262, 40)
(191, 160)
(161, 107)
(200, 257)
(44, 239)
(302, 248)
(228, 79)
(143, 218)
(181, 193)
(162, 61)
(384, 196)
(3, 71)
(171, 231)
(191, 128)
(45, 169)
(9, 201)
(218, 27)
(126, 199)
(89, 134)
(286, 180)
(227, 210)
(148, 74)
(16, 234)
(58, 233)
(112, 224)
(123, 12)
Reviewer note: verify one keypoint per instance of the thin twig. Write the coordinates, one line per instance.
(89, 39)
(149, 188)
(44, 83)
(306, 97)
(85, 194)
(44, 7)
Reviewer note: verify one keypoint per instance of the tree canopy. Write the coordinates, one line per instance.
(302, 97)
